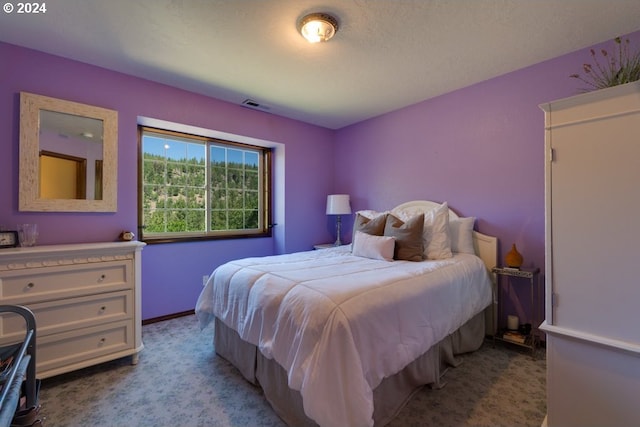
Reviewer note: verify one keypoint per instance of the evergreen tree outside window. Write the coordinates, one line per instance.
(194, 187)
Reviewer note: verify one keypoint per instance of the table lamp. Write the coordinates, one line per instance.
(338, 204)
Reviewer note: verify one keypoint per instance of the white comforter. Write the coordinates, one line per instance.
(339, 323)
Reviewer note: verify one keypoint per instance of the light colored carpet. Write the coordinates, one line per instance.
(179, 381)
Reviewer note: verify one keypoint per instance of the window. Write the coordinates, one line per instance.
(194, 187)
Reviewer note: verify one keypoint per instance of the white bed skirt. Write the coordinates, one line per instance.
(389, 397)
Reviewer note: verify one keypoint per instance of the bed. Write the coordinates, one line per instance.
(335, 338)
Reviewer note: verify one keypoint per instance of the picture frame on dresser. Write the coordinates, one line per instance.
(9, 239)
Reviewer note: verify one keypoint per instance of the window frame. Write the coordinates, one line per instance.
(266, 190)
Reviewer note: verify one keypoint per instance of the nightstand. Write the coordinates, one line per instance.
(518, 277)
(324, 246)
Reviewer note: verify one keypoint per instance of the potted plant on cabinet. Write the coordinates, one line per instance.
(612, 69)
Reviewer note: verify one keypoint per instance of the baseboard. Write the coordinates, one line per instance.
(168, 317)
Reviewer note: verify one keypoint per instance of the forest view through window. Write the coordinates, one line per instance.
(196, 187)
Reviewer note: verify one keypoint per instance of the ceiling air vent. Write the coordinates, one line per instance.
(255, 105)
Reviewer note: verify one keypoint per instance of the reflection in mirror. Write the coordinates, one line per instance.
(68, 154)
(62, 176)
(70, 146)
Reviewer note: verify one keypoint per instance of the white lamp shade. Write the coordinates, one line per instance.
(338, 204)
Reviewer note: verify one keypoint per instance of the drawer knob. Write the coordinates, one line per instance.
(103, 308)
(30, 285)
(102, 277)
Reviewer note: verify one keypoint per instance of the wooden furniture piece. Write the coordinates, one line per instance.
(85, 298)
(21, 368)
(324, 246)
(592, 293)
(531, 277)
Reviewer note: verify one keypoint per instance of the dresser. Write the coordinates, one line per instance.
(592, 289)
(85, 298)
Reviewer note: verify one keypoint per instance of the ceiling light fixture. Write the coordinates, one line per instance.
(318, 27)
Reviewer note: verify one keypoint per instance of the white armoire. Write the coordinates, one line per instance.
(592, 258)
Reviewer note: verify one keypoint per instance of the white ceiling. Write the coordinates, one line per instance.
(386, 55)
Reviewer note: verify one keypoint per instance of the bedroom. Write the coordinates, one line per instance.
(495, 123)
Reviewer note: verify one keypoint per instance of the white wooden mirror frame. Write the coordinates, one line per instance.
(29, 186)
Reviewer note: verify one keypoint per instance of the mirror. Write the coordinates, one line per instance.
(68, 156)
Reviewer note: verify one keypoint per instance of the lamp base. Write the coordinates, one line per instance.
(338, 242)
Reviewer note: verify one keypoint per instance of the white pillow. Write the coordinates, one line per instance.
(461, 232)
(436, 233)
(374, 247)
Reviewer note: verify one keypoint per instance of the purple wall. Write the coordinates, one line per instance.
(480, 148)
(172, 273)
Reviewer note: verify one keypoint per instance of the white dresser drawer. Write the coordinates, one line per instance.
(46, 283)
(59, 350)
(69, 314)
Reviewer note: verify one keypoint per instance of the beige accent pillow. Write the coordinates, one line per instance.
(374, 247)
(408, 235)
(369, 213)
(373, 226)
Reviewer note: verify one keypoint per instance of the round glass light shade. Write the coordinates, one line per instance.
(318, 27)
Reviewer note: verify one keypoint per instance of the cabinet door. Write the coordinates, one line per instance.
(595, 200)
